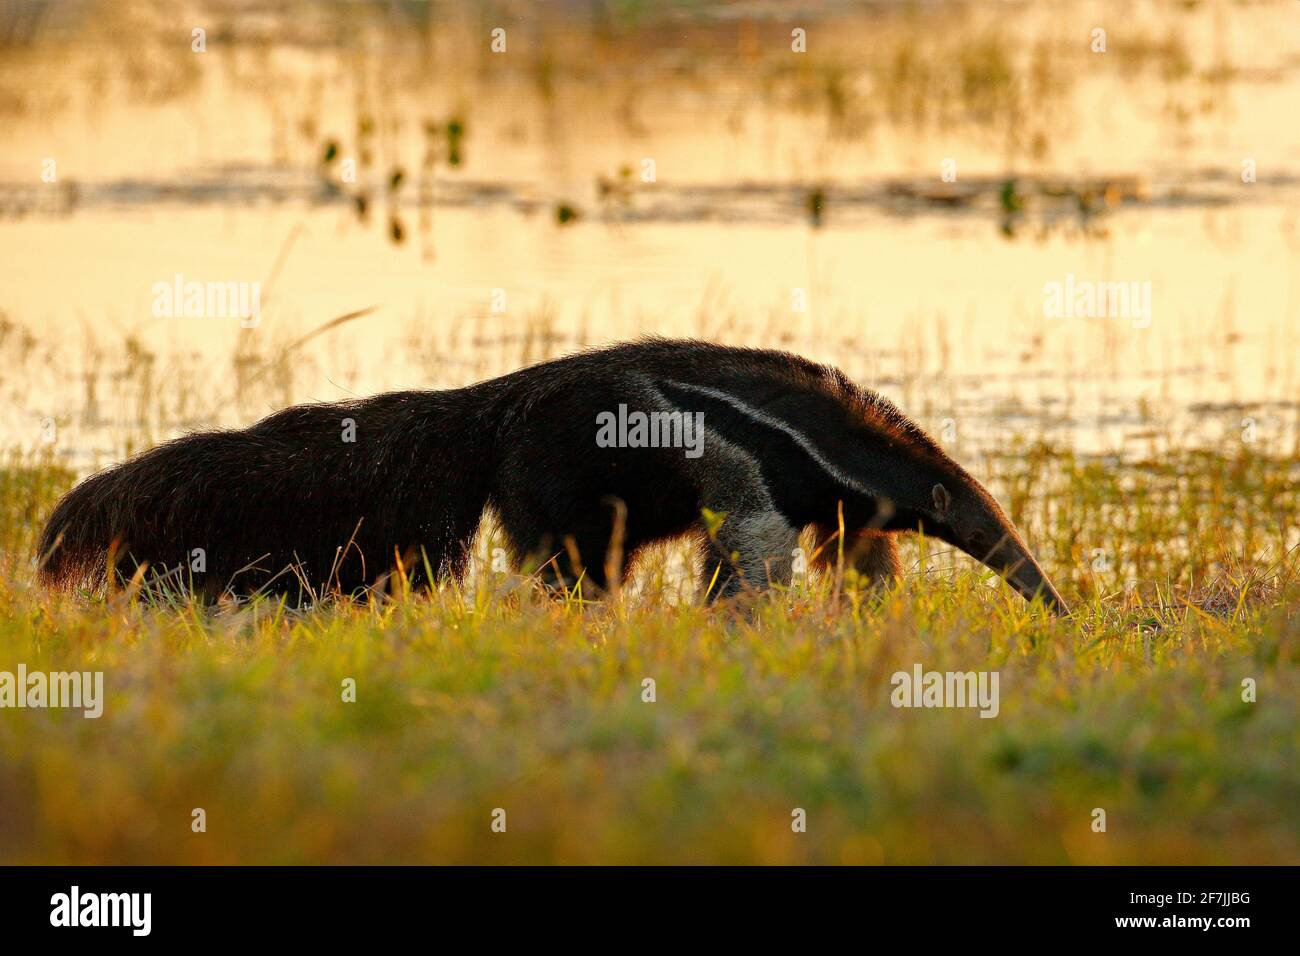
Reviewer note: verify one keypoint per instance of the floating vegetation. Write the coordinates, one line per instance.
(816, 205)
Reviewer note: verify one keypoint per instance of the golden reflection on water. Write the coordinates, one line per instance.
(797, 201)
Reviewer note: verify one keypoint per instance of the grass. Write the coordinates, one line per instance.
(1182, 566)
(491, 696)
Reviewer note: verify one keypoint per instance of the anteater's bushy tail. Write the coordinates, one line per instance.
(79, 535)
(312, 498)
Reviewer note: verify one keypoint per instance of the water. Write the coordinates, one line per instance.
(798, 202)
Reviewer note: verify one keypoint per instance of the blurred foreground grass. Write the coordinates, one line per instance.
(489, 696)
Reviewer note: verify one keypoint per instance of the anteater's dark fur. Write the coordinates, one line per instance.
(289, 491)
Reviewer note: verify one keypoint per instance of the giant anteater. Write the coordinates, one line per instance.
(633, 443)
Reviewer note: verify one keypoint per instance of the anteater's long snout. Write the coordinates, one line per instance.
(1012, 560)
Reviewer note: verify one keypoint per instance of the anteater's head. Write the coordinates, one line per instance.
(962, 513)
(931, 493)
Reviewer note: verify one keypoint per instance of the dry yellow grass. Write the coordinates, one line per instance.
(491, 696)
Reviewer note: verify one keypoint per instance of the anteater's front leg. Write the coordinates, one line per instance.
(756, 550)
(754, 546)
(872, 554)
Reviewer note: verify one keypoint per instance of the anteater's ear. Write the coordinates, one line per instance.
(942, 500)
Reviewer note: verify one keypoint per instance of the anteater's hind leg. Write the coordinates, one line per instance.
(872, 554)
(562, 549)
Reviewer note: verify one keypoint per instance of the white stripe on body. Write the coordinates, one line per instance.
(772, 422)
